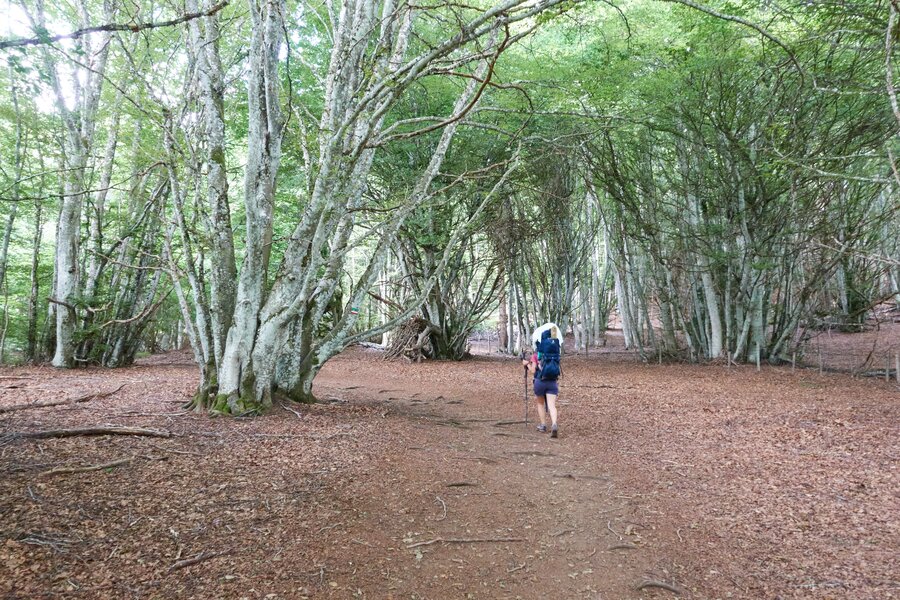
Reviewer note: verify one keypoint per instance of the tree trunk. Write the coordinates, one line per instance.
(17, 177)
(76, 147)
(503, 321)
(223, 273)
(237, 375)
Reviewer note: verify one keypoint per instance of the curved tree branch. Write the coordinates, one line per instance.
(132, 27)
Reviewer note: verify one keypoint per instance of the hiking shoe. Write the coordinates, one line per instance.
(542, 428)
(554, 431)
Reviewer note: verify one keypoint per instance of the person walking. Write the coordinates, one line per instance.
(544, 364)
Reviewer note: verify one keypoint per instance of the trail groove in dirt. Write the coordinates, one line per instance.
(408, 482)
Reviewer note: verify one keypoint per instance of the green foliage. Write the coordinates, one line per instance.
(696, 131)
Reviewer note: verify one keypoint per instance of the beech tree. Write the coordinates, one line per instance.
(274, 343)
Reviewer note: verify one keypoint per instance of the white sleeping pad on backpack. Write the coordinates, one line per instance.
(536, 336)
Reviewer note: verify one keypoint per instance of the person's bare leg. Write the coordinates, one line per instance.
(551, 403)
(539, 402)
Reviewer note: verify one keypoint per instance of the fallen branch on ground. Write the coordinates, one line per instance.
(87, 431)
(174, 451)
(143, 414)
(653, 583)
(444, 504)
(64, 470)
(476, 458)
(197, 559)
(85, 398)
(501, 423)
(463, 541)
(561, 533)
(623, 547)
(288, 408)
(609, 526)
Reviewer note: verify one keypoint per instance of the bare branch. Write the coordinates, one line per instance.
(133, 28)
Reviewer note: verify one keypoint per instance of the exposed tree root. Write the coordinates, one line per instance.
(463, 541)
(654, 583)
(203, 556)
(622, 547)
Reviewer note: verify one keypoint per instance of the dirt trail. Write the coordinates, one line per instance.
(724, 483)
(471, 470)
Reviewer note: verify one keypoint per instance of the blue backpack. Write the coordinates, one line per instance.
(548, 357)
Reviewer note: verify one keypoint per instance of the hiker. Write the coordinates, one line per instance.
(544, 364)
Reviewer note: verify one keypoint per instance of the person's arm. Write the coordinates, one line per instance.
(530, 363)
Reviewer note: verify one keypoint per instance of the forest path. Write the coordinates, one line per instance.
(729, 483)
(468, 468)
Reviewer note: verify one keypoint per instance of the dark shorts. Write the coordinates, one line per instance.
(542, 388)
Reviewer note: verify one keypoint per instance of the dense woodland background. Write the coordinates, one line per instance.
(268, 182)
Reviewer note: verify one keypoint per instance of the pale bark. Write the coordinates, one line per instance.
(77, 143)
(198, 295)
(237, 374)
(223, 272)
(503, 321)
(276, 344)
(17, 177)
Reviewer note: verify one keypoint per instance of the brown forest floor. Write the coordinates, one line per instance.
(723, 483)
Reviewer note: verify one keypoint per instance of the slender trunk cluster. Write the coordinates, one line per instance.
(287, 320)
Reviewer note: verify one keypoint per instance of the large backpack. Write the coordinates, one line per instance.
(548, 357)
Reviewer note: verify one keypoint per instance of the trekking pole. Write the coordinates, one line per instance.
(525, 390)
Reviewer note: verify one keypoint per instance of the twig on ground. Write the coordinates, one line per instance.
(65, 470)
(514, 569)
(463, 541)
(174, 451)
(675, 464)
(330, 527)
(476, 458)
(58, 544)
(678, 533)
(561, 533)
(501, 423)
(85, 398)
(462, 484)
(654, 583)
(87, 431)
(444, 504)
(609, 526)
(622, 547)
(140, 414)
(289, 409)
(197, 559)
